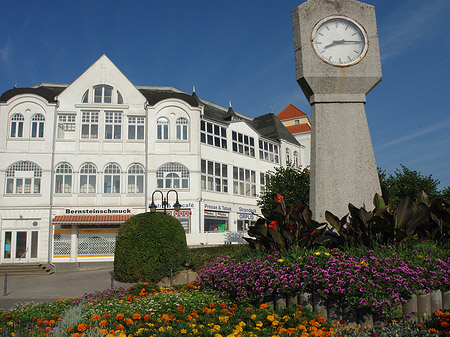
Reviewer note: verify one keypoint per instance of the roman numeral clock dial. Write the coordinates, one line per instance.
(339, 41)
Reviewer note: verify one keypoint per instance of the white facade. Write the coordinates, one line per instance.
(78, 159)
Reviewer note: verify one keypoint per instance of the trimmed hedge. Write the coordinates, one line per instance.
(148, 247)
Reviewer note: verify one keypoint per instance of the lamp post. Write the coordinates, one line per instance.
(165, 201)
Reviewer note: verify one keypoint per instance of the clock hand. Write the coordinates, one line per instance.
(334, 43)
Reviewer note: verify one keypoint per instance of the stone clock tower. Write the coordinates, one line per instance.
(337, 63)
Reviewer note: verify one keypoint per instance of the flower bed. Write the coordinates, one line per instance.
(381, 284)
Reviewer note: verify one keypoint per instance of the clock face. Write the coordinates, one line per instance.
(339, 41)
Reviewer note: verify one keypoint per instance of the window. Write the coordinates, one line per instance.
(85, 98)
(136, 179)
(88, 178)
(295, 158)
(162, 128)
(182, 129)
(89, 124)
(23, 177)
(111, 183)
(296, 121)
(288, 156)
(244, 182)
(66, 126)
(102, 94)
(136, 127)
(63, 178)
(262, 183)
(243, 225)
(37, 126)
(119, 98)
(213, 134)
(268, 151)
(243, 144)
(113, 125)
(215, 221)
(16, 126)
(214, 176)
(172, 175)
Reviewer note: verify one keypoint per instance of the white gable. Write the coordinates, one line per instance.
(102, 72)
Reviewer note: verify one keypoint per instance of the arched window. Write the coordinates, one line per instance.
(119, 98)
(37, 126)
(103, 94)
(288, 156)
(136, 179)
(63, 178)
(85, 98)
(111, 183)
(23, 177)
(295, 158)
(182, 128)
(172, 175)
(162, 128)
(16, 130)
(88, 178)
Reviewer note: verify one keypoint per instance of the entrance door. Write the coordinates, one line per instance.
(19, 246)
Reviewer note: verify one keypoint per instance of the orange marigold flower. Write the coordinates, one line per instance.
(70, 329)
(103, 332)
(145, 284)
(146, 317)
(82, 327)
(263, 306)
(222, 305)
(107, 315)
(129, 321)
(136, 316)
(119, 327)
(95, 318)
(119, 317)
(103, 324)
(212, 305)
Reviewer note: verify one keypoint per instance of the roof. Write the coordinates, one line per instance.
(290, 112)
(47, 92)
(299, 128)
(155, 95)
(271, 127)
(90, 219)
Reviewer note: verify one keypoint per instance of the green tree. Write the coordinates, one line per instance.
(290, 182)
(405, 182)
(446, 193)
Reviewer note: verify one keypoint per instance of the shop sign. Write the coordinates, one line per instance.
(187, 205)
(180, 214)
(218, 207)
(216, 214)
(243, 216)
(98, 211)
(247, 210)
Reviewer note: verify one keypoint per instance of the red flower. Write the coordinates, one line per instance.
(273, 224)
(291, 226)
(278, 198)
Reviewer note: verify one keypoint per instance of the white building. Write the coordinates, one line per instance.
(77, 160)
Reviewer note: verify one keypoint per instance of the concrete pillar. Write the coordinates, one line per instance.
(410, 308)
(320, 305)
(435, 301)
(74, 243)
(305, 300)
(423, 306)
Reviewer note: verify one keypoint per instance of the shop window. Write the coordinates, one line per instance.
(136, 127)
(214, 176)
(162, 129)
(111, 183)
(172, 175)
(243, 225)
(113, 125)
(16, 126)
(182, 128)
(103, 94)
(37, 126)
(216, 222)
(23, 178)
(88, 178)
(136, 179)
(184, 216)
(89, 124)
(213, 134)
(63, 178)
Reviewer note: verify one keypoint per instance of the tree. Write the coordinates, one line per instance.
(446, 193)
(290, 182)
(405, 182)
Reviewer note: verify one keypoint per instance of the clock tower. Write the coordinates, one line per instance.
(337, 64)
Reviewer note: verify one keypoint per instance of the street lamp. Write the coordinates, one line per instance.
(165, 202)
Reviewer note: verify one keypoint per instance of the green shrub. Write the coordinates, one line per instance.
(200, 257)
(148, 247)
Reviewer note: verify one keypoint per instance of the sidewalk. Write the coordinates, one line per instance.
(45, 288)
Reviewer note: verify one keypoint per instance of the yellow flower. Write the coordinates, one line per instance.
(317, 253)
(259, 323)
(252, 316)
(280, 260)
(270, 318)
(183, 331)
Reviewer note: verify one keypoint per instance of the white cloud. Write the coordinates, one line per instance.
(429, 129)
(411, 26)
(5, 53)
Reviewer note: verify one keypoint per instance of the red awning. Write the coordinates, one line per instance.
(90, 219)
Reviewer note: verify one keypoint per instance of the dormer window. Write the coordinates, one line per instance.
(102, 94)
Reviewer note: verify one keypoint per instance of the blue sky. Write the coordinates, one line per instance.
(242, 51)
